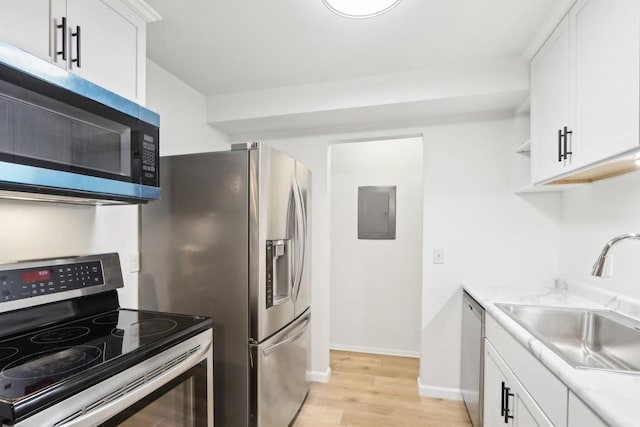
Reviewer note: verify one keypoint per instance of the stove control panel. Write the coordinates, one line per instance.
(35, 281)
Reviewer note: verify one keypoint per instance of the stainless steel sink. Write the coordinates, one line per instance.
(587, 339)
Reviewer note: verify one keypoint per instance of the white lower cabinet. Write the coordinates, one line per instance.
(506, 402)
(519, 391)
(580, 415)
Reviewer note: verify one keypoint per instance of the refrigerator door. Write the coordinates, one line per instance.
(279, 385)
(302, 262)
(272, 222)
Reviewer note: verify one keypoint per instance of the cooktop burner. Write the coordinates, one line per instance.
(146, 328)
(60, 335)
(82, 348)
(7, 352)
(52, 362)
(107, 319)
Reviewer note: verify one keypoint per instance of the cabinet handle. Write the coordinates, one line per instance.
(566, 137)
(502, 400)
(63, 27)
(507, 411)
(78, 37)
(559, 145)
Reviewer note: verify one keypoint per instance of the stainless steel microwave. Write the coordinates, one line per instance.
(66, 139)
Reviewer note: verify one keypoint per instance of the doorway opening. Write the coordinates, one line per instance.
(376, 283)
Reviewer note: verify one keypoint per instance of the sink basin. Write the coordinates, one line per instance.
(585, 338)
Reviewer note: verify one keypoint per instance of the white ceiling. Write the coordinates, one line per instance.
(226, 46)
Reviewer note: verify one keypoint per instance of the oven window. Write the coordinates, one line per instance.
(181, 402)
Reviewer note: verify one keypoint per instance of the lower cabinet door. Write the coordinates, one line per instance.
(580, 415)
(494, 386)
(525, 417)
(506, 401)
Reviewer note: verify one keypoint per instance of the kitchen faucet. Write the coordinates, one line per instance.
(599, 268)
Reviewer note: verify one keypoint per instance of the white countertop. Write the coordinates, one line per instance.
(613, 396)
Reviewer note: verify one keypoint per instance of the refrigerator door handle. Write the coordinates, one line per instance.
(301, 236)
(292, 215)
(300, 332)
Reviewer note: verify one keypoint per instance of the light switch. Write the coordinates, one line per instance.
(438, 256)
(134, 262)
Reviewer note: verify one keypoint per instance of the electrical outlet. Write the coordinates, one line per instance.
(134, 262)
(438, 256)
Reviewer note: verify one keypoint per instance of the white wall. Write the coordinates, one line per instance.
(442, 81)
(182, 109)
(593, 214)
(488, 233)
(34, 230)
(376, 285)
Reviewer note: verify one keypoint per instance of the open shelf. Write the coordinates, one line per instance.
(554, 188)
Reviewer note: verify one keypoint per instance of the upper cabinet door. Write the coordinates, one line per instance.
(550, 74)
(26, 24)
(605, 46)
(108, 45)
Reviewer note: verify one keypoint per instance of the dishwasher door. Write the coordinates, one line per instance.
(471, 361)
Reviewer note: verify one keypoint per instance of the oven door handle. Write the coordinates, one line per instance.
(102, 413)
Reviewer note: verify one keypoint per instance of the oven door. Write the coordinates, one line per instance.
(181, 402)
(173, 388)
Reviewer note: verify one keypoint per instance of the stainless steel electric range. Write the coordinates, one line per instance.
(70, 356)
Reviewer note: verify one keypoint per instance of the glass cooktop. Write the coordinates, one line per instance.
(51, 356)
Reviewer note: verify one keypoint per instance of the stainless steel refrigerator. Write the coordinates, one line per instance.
(230, 239)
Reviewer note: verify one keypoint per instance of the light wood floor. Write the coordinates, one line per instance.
(371, 390)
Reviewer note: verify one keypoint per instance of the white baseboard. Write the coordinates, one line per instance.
(375, 350)
(319, 376)
(439, 392)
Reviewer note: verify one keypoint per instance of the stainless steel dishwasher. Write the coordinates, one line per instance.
(472, 358)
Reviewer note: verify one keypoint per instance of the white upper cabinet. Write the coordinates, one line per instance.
(26, 24)
(104, 41)
(606, 53)
(586, 77)
(550, 105)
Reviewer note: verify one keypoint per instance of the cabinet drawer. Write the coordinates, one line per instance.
(545, 388)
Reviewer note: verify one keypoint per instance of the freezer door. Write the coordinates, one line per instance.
(272, 220)
(281, 375)
(302, 261)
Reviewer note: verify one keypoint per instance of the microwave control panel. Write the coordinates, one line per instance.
(31, 282)
(149, 159)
